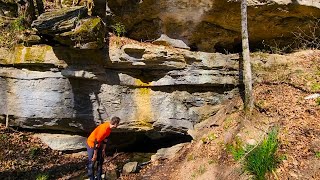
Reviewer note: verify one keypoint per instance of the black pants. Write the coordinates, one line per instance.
(90, 165)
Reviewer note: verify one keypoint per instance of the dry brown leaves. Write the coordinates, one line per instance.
(24, 157)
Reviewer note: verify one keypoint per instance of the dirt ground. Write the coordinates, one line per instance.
(280, 101)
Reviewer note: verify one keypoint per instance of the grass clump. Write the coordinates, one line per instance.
(263, 159)
(236, 149)
(44, 176)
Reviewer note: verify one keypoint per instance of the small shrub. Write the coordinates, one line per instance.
(318, 154)
(18, 24)
(227, 123)
(10, 30)
(119, 29)
(42, 176)
(308, 38)
(34, 151)
(210, 137)
(236, 149)
(262, 159)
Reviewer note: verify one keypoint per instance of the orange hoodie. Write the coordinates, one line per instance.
(99, 134)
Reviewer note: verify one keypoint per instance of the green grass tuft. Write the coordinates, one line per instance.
(236, 149)
(263, 158)
(42, 176)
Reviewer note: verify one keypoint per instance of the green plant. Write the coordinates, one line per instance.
(190, 157)
(227, 123)
(236, 149)
(119, 29)
(318, 101)
(283, 157)
(44, 176)
(3, 137)
(315, 87)
(34, 151)
(212, 161)
(201, 170)
(210, 137)
(262, 158)
(9, 31)
(18, 24)
(318, 154)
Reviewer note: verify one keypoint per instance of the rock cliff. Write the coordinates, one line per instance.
(76, 74)
(214, 25)
(152, 88)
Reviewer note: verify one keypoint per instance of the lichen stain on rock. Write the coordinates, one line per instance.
(34, 54)
(142, 98)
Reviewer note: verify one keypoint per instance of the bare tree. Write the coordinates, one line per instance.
(247, 74)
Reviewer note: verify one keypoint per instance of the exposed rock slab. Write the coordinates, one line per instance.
(167, 153)
(63, 142)
(167, 41)
(130, 167)
(69, 26)
(58, 21)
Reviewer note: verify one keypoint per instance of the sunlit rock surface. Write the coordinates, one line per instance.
(59, 88)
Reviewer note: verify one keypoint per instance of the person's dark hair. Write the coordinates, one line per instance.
(115, 120)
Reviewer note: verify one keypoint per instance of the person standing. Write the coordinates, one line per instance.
(96, 144)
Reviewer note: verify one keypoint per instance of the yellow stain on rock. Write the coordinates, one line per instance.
(34, 54)
(142, 98)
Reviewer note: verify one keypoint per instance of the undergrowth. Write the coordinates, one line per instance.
(10, 30)
(263, 159)
(259, 159)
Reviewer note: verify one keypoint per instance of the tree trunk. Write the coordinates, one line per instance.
(247, 75)
(40, 7)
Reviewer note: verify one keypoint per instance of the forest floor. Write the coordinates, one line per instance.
(280, 92)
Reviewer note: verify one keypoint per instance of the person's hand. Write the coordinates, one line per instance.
(94, 158)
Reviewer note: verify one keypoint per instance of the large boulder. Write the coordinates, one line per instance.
(211, 26)
(71, 27)
(63, 142)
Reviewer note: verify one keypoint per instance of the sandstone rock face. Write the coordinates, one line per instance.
(211, 26)
(72, 28)
(152, 88)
